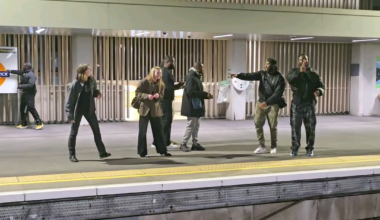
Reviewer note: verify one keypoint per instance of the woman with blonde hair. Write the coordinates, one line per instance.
(80, 102)
(149, 92)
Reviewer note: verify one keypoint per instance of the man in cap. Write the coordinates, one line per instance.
(271, 99)
(28, 88)
(306, 85)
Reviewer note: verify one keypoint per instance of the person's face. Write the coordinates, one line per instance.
(267, 66)
(88, 72)
(303, 59)
(172, 64)
(200, 68)
(24, 67)
(157, 74)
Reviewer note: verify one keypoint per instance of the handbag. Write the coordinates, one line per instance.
(197, 103)
(136, 103)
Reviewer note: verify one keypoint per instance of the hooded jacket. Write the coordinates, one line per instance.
(193, 90)
(28, 80)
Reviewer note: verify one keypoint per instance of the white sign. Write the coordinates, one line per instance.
(8, 61)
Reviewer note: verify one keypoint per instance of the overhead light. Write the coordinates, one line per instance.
(227, 35)
(139, 34)
(301, 38)
(364, 40)
(40, 30)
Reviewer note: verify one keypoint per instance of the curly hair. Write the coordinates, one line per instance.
(81, 72)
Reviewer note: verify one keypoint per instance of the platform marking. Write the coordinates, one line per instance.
(71, 177)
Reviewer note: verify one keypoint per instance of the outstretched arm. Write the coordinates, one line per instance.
(256, 76)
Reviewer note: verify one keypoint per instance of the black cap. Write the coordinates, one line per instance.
(272, 61)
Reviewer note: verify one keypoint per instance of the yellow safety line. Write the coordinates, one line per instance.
(187, 172)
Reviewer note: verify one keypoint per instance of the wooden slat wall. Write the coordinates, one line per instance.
(331, 60)
(51, 60)
(123, 61)
(343, 4)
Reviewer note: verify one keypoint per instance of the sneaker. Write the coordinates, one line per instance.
(144, 156)
(73, 159)
(153, 146)
(171, 147)
(39, 127)
(260, 150)
(293, 153)
(184, 148)
(309, 153)
(273, 151)
(198, 147)
(22, 126)
(105, 155)
(166, 155)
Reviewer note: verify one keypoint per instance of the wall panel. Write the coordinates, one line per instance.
(122, 62)
(343, 4)
(331, 60)
(51, 60)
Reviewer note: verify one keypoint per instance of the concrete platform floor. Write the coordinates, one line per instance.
(30, 152)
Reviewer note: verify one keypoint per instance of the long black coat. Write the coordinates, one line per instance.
(193, 89)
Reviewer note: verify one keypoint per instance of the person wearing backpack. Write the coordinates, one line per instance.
(271, 100)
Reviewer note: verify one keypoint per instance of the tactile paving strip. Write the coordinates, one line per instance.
(39, 179)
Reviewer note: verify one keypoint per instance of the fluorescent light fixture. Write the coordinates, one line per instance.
(40, 30)
(227, 35)
(139, 34)
(363, 40)
(301, 38)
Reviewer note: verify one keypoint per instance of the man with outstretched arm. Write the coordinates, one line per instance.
(271, 91)
(29, 90)
(306, 85)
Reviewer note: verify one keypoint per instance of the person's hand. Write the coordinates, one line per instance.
(316, 93)
(263, 105)
(303, 67)
(73, 121)
(181, 83)
(8, 71)
(99, 96)
(210, 96)
(150, 97)
(182, 87)
(156, 96)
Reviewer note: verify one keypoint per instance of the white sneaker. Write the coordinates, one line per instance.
(171, 147)
(153, 146)
(260, 150)
(273, 151)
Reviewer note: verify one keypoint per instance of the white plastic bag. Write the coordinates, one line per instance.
(224, 93)
(251, 92)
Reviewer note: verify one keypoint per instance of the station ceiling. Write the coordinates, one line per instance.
(173, 34)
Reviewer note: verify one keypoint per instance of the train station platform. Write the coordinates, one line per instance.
(34, 165)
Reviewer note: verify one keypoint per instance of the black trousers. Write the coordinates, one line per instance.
(305, 114)
(156, 125)
(93, 121)
(27, 105)
(167, 120)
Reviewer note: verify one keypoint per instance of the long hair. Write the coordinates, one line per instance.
(151, 78)
(81, 72)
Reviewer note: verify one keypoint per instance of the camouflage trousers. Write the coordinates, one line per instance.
(270, 113)
(305, 114)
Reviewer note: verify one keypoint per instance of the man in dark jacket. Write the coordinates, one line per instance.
(167, 101)
(193, 106)
(271, 91)
(306, 86)
(28, 88)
